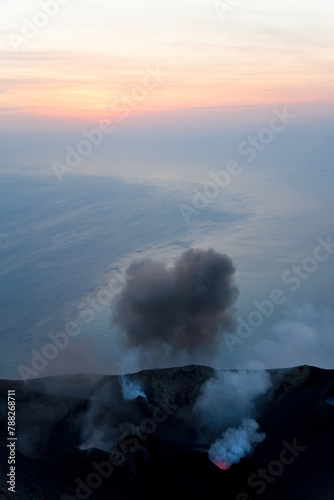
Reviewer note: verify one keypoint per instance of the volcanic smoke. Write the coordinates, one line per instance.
(225, 410)
(235, 444)
(166, 311)
(130, 389)
(172, 312)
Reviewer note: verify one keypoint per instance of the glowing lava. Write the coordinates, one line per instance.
(222, 465)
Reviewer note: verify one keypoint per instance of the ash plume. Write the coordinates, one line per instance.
(176, 312)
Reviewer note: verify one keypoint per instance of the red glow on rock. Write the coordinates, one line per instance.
(222, 465)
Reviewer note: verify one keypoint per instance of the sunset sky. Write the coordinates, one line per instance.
(93, 53)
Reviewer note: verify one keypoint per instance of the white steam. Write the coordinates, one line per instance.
(230, 397)
(226, 409)
(97, 439)
(96, 428)
(130, 389)
(235, 444)
(305, 336)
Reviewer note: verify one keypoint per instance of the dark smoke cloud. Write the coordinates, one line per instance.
(167, 311)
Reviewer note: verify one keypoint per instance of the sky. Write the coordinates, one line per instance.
(80, 58)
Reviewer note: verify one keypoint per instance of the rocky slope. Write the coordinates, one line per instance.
(78, 437)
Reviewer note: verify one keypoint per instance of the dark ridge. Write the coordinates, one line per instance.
(169, 462)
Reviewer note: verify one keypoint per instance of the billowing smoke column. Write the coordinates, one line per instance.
(226, 407)
(180, 311)
(235, 444)
(165, 311)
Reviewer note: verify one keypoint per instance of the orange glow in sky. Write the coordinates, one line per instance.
(90, 56)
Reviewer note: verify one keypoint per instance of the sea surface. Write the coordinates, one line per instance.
(61, 242)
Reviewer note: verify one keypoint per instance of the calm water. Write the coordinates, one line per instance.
(59, 242)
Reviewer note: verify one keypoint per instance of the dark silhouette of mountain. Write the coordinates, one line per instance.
(78, 437)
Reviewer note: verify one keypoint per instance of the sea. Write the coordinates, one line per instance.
(61, 242)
